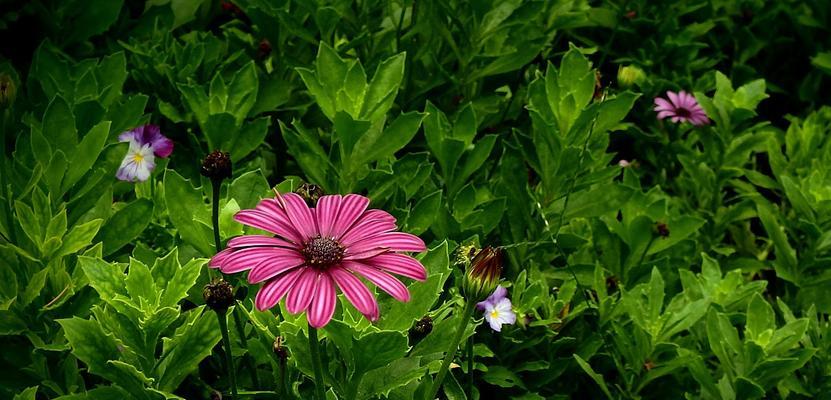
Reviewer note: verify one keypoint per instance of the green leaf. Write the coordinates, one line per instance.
(383, 87)
(93, 20)
(27, 394)
(597, 378)
(399, 316)
(191, 343)
(79, 236)
(125, 225)
(184, 278)
(140, 285)
(501, 376)
(59, 125)
(107, 279)
(86, 154)
(249, 188)
(760, 318)
(183, 201)
(378, 349)
(242, 91)
(250, 136)
(91, 345)
(424, 213)
(395, 137)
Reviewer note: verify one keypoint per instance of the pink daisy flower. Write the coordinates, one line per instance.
(316, 250)
(681, 107)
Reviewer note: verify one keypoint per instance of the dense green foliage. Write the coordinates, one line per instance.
(698, 268)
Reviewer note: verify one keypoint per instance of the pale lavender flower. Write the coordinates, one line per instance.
(498, 309)
(146, 143)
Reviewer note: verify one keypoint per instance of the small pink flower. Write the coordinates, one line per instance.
(315, 250)
(681, 107)
(498, 309)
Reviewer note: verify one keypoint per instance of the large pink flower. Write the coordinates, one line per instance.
(315, 250)
(681, 107)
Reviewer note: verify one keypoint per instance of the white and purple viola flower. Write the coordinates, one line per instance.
(498, 309)
(146, 143)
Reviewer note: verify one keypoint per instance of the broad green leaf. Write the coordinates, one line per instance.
(183, 201)
(191, 343)
(125, 225)
(597, 378)
(91, 345)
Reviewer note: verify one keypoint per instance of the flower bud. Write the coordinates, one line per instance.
(483, 274)
(421, 329)
(630, 75)
(218, 295)
(280, 349)
(310, 192)
(7, 90)
(217, 165)
(662, 229)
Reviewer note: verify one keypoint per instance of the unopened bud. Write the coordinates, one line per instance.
(630, 75)
(279, 348)
(310, 192)
(8, 90)
(218, 295)
(421, 329)
(483, 275)
(217, 165)
(662, 229)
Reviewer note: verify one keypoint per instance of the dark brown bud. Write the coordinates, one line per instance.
(279, 348)
(630, 14)
(310, 192)
(648, 365)
(662, 229)
(421, 329)
(218, 295)
(264, 49)
(217, 165)
(483, 275)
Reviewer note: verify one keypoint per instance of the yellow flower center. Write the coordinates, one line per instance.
(138, 158)
(494, 314)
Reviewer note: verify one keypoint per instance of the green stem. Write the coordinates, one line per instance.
(226, 345)
(451, 351)
(314, 349)
(216, 184)
(249, 361)
(282, 385)
(470, 367)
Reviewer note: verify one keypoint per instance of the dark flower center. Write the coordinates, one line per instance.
(322, 252)
(683, 112)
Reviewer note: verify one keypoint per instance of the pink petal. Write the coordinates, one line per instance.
(393, 241)
(299, 214)
(676, 119)
(365, 229)
(351, 207)
(327, 213)
(676, 102)
(219, 258)
(365, 254)
(665, 114)
(268, 222)
(274, 290)
(301, 293)
(383, 280)
(323, 303)
(273, 266)
(399, 264)
(356, 292)
(247, 258)
(162, 147)
(258, 240)
(661, 104)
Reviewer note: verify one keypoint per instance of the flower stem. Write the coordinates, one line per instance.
(314, 349)
(281, 389)
(226, 344)
(249, 360)
(451, 351)
(216, 184)
(470, 367)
